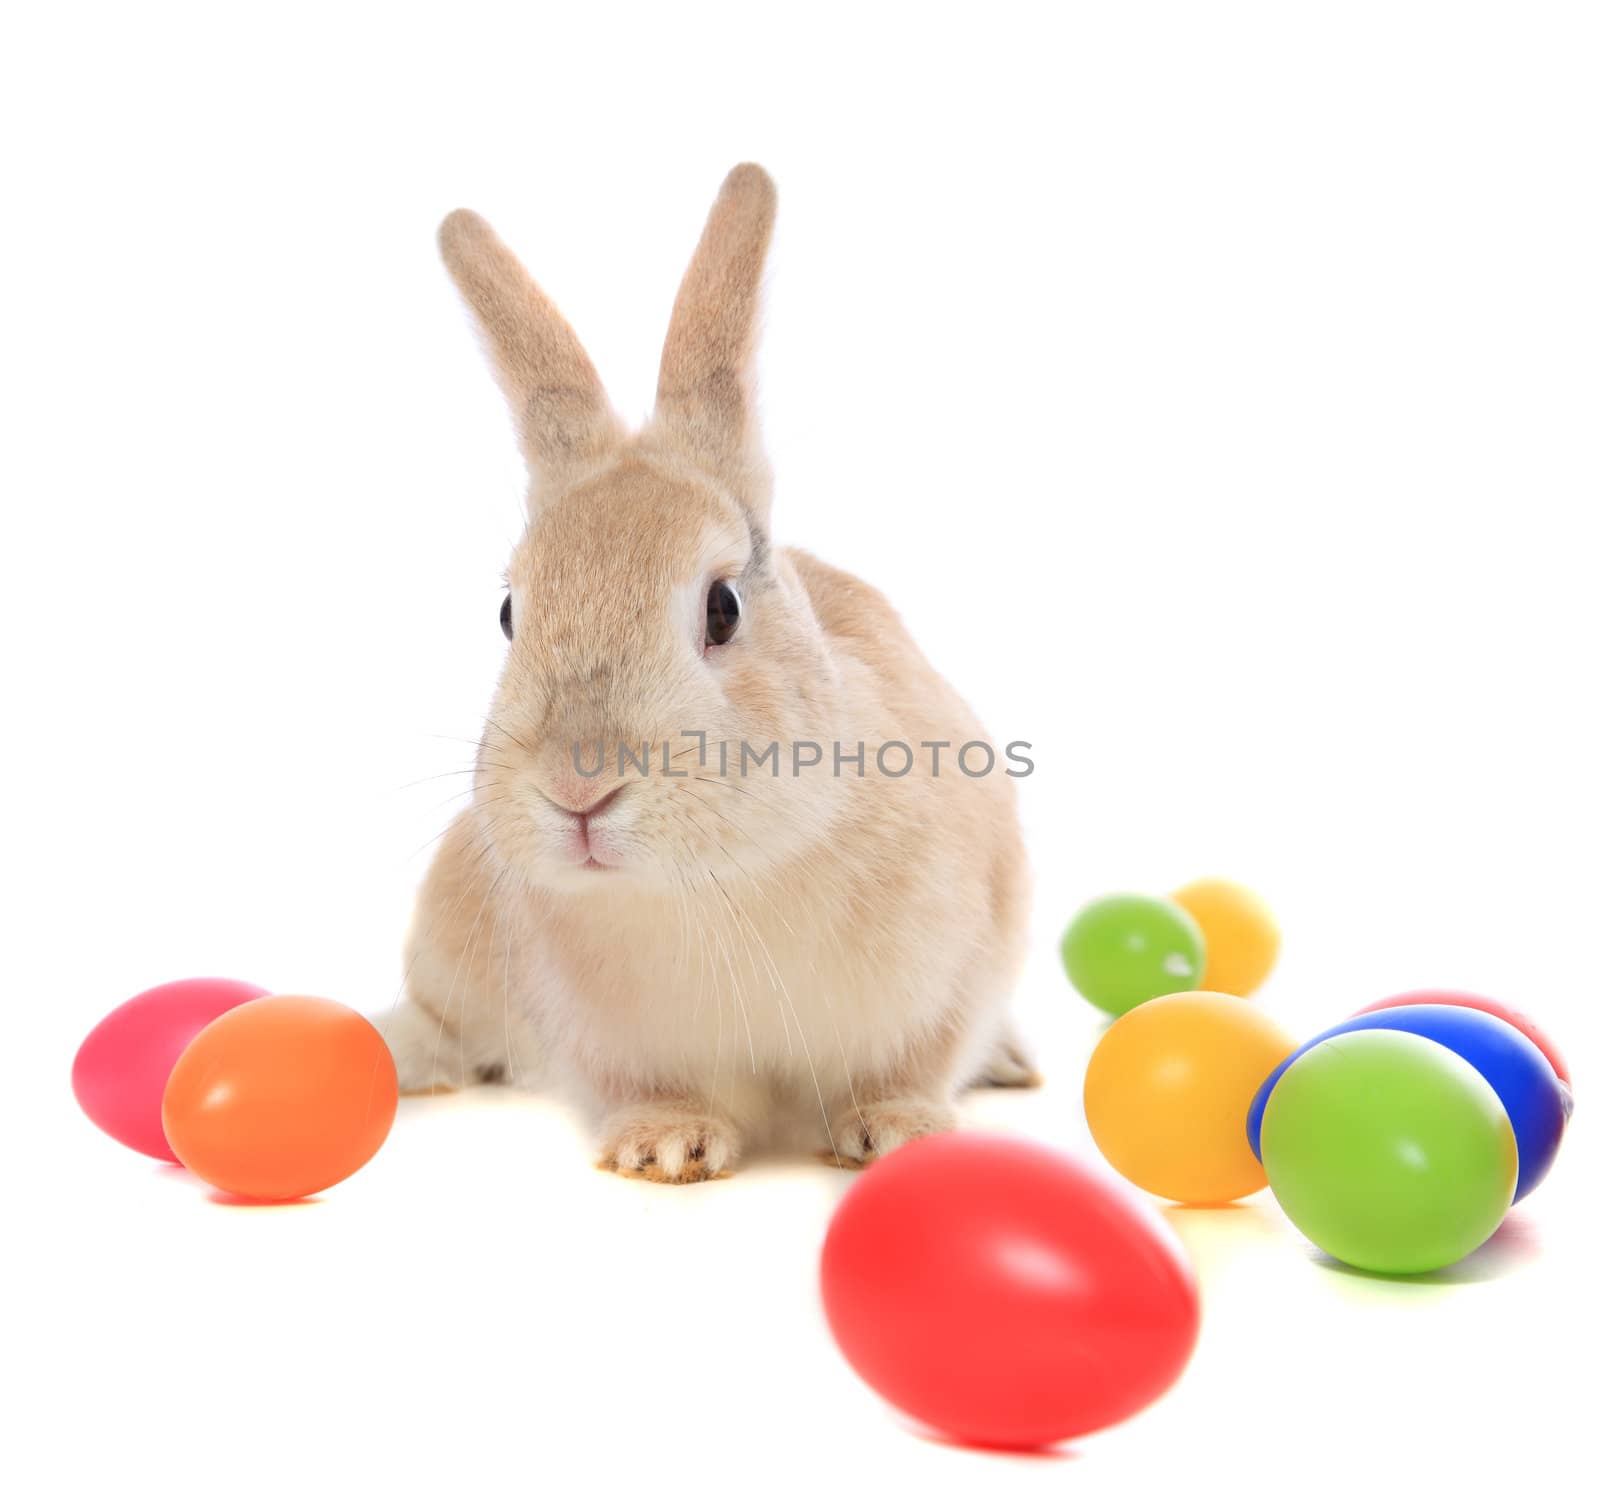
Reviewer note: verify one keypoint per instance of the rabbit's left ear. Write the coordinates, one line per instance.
(705, 397)
(564, 420)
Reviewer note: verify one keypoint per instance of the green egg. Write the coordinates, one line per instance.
(1389, 1151)
(1123, 950)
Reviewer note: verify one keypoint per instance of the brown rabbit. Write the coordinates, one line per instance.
(703, 948)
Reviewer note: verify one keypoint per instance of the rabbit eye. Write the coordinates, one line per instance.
(505, 616)
(722, 612)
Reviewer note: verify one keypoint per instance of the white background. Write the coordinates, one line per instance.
(1213, 388)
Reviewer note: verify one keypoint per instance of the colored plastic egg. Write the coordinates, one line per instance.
(1124, 949)
(1167, 1090)
(1241, 935)
(1520, 1075)
(120, 1072)
(1004, 1294)
(1470, 999)
(1389, 1151)
(281, 1098)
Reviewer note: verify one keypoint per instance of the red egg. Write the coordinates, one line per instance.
(1474, 1002)
(1005, 1294)
(120, 1072)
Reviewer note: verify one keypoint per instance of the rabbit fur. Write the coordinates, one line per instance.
(707, 957)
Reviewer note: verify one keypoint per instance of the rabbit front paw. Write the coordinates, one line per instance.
(668, 1142)
(863, 1133)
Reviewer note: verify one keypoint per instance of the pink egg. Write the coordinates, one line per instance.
(121, 1071)
(1474, 1002)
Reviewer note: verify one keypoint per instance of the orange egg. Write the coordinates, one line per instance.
(281, 1097)
(1241, 934)
(1168, 1090)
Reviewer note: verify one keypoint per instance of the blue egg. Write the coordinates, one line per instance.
(1519, 1073)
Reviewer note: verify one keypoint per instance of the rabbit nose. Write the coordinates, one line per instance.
(584, 812)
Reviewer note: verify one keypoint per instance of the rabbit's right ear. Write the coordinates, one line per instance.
(564, 420)
(705, 397)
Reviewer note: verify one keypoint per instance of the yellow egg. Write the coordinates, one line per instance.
(1168, 1089)
(1241, 934)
